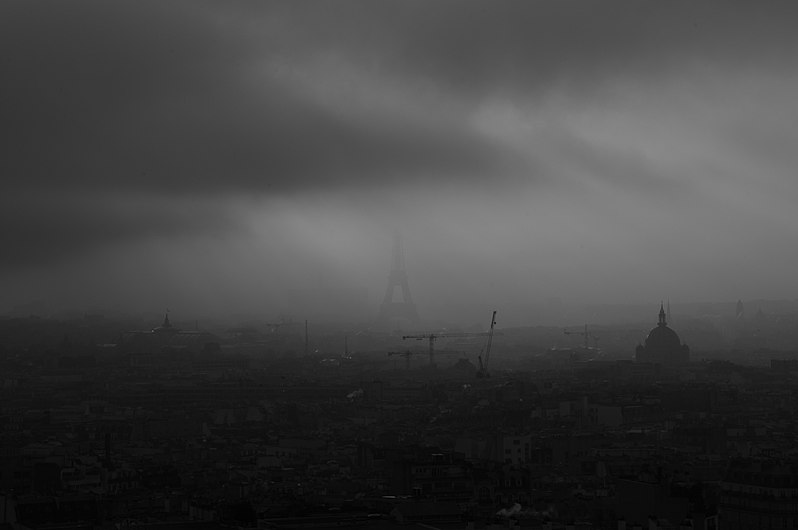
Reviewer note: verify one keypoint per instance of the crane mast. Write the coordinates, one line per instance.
(483, 367)
(586, 334)
(432, 337)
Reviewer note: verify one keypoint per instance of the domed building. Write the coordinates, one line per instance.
(662, 345)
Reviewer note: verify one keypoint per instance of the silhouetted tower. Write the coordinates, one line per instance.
(393, 312)
(663, 345)
(166, 327)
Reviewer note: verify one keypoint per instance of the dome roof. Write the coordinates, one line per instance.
(663, 337)
(663, 345)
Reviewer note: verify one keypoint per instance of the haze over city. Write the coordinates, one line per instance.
(231, 157)
(393, 264)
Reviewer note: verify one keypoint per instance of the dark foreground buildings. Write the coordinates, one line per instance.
(169, 429)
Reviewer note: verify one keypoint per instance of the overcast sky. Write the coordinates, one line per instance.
(217, 157)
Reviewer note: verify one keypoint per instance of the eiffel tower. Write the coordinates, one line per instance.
(398, 313)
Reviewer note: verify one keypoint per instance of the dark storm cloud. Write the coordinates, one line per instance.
(163, 96)
(129, 96)
(153, 97)
(520, 46)
(46, 230)
(113, 116)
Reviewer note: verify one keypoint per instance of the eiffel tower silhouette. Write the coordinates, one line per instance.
(392, 312)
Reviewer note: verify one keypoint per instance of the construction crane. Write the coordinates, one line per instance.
(406, 354)
(432, 337)
(483, 367)
(587, 336)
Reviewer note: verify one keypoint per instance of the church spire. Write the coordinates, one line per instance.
(662, 318)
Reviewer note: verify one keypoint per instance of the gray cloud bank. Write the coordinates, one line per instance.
(194, 96)
(126, 121)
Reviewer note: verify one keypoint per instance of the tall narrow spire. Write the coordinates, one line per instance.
(166, 326)
(662, 318)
